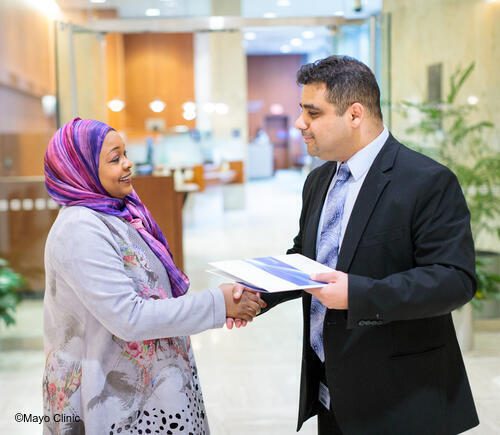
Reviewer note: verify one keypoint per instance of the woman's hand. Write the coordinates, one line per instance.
(242, 304)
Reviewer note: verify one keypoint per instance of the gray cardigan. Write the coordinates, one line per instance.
(113, 333)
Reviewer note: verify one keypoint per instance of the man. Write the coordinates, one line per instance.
(384, 357)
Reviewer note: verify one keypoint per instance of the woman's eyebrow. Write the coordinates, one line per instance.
(115, 148)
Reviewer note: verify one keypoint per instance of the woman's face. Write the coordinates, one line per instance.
(115, 167)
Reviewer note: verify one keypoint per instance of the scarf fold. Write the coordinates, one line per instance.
(71, 166)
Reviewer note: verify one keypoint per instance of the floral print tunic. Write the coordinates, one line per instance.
(118, 354)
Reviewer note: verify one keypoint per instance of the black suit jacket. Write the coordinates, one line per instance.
(392, 360)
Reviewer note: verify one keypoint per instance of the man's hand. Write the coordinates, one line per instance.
(242, 304)
(335, 294)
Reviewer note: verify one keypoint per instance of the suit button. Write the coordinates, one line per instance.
(361, 323)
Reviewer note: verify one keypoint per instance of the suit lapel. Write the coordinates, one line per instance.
(318, 199)
(377, 179)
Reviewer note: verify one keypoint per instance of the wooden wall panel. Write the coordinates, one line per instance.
(272, 80)
(26, 48)
(21, 154)
(158, 65)
(115, 77)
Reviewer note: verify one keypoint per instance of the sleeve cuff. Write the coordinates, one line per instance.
(219, 305)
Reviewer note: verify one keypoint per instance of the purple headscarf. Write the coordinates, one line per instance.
(71, 167)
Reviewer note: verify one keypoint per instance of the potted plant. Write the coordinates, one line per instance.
(443, 130)
(10, 283)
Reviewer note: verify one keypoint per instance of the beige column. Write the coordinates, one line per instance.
(221, 77)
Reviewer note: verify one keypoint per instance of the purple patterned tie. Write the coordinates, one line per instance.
(328, 250)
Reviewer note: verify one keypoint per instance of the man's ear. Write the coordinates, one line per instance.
(356, 114)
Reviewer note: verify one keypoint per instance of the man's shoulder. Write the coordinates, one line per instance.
(414, 163)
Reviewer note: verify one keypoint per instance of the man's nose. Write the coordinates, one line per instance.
(300, 124)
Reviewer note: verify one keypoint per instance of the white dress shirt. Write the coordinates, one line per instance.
(358, 164)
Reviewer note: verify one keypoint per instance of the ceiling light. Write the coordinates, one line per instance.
(283, 3)
(189, 116)
(216, 23)
(250, 36)
(276, 109)
(152, 12)
(308, 34)
(49, 104)
(157, 105)
(189, 106)
(339, 14)
(97, 1)
(472, 100)
(285, 49)
(269, 15)
(296, 42)
(209, 107)
(116, 105)
(48, 7)
(221, 109)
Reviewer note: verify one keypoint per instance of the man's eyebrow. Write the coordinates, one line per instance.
(309, 106)
(115, 148)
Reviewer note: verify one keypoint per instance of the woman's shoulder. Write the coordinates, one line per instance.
(75, 222)
(78, 215)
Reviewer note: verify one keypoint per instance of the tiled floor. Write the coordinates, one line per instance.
(249, 376)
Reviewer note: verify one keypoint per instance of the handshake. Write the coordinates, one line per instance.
(242, 304)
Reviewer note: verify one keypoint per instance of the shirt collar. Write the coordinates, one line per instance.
(360, 162)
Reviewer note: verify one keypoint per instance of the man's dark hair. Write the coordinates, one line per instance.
(347, 81)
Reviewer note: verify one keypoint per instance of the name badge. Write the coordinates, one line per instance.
(324, 395)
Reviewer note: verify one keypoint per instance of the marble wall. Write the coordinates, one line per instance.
(454, 33)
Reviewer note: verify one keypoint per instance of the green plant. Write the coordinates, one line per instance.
(10, 283)
(443, 131)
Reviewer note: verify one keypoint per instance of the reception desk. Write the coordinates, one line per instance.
(165, 204)
(26, 215)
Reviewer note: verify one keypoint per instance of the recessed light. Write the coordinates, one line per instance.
(221, 109)
(97, 1)
(152, 12)
(216, 23)
(339, 14)
(250, 36)
(157, 106)
(296, 42)
(472, 100)
(285, 49)
(308, 34)
(116, 105)
(283, 3)
(269, 15)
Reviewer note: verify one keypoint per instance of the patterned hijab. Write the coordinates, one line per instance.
(71, 167)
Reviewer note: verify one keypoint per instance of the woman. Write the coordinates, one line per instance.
(116, 317)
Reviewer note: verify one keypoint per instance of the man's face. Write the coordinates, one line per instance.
(326, 134)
